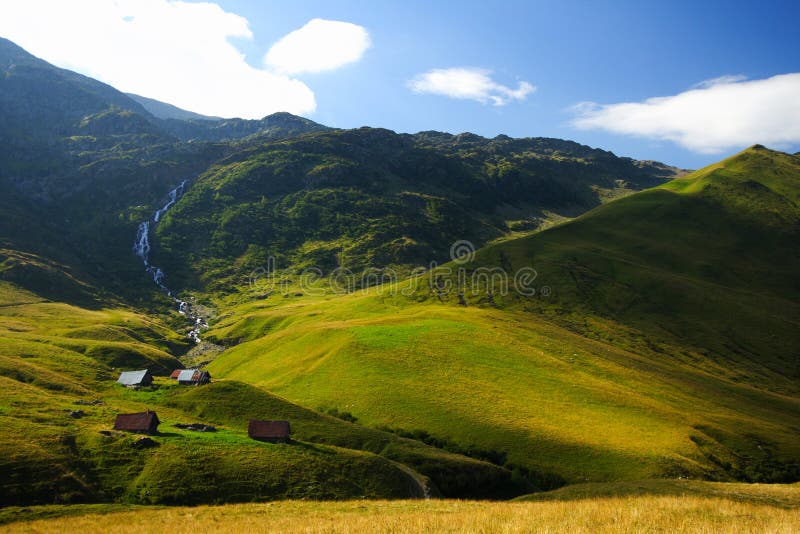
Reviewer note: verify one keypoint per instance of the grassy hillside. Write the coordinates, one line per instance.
(708, 262)
(551, 400)
(58, 358)
(666, 347)
(720, 509)
(372, 198)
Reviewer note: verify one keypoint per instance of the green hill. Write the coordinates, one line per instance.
(708, 262)
(58, 358)
(667, 345)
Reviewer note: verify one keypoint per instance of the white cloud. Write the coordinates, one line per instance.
(468, 83)
(177, 52)
(716, 115)
(318, 46)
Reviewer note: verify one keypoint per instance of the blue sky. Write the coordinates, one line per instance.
(615, 55)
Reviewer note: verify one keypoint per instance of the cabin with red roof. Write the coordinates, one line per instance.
(269, 431)
(141, 422)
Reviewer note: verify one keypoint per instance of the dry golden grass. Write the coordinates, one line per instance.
(615, 514)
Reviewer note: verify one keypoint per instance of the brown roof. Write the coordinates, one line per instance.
(268, 429)
(201, 375)
(137, 422)
(175, 374)
(193, 375)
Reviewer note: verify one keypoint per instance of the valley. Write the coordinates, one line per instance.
(441, 318)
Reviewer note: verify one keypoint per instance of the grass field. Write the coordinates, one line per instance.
(659, 507)
(552, 400)
(667, 346)
(55, 358)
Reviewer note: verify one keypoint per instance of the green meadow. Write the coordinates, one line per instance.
(58, 358)
(659, 352)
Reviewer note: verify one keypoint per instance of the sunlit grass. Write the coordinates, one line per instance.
(643, 513)
(500, 379)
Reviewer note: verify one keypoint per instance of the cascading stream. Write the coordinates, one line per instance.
(141, 247)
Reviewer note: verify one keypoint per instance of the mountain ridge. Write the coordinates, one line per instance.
(163, 110)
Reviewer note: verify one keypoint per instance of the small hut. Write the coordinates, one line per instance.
(141, 422)
(270, 431)
(134, 379)
(193, 377)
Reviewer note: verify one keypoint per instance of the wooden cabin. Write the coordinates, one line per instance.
(194, 377)
(134, 379)
(270, 431)
(141, 422)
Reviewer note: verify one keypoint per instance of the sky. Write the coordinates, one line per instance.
(686, 83)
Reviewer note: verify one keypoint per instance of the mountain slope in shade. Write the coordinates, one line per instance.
(190, 126)
(162, 110)
(40, 100)
(279, 125)
(370, 198)
(709, 261)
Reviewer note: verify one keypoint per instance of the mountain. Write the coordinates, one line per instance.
(373, 198)
(162, 110)
(96, 160)
(279, 125)
(190, 126)
(309, 195)
(39, 100)
(80, 163)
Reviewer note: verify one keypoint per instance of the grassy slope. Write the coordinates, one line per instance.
(654, 357)
(708, 262)
(54, 354)
(553, 400)
(706, 508)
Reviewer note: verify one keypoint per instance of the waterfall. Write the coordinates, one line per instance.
(142, 245)
(174, 195)
(142, 248)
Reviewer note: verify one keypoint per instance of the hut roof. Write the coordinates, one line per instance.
(268, 429)
(137, 422)
(187, 375)
(193, 375)
(132, 378)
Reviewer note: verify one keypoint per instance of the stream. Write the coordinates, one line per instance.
(142, 248)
